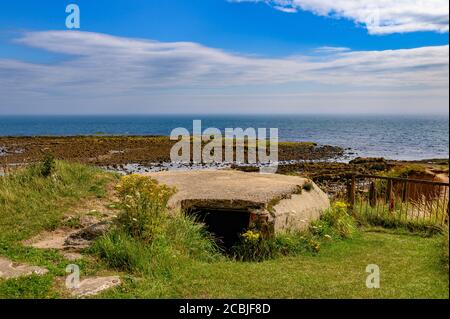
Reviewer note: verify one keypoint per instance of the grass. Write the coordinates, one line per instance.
(146, 239)
(31, 203)
(445, 251)
(380, 215)
(177, 259)
(33, 287)
(409, 269)
(182, 240)
(336, 270)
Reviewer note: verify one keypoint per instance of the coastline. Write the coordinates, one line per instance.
(395, 137)
(328, 166)
(115, 151)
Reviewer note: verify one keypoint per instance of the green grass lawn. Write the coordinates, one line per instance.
(411, 266)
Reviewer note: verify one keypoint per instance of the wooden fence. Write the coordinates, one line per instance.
(399, 199)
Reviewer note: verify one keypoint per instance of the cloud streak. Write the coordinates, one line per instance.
(135, 71)
(378, 16)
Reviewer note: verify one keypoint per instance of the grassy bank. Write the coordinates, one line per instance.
(31, 203)
(159, 255)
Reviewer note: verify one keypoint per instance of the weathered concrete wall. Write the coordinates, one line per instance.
(278, 200)
(297, 212)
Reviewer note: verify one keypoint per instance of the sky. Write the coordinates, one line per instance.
(225, 56)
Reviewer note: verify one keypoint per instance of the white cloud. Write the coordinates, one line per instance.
(128, 72)
(378, 16)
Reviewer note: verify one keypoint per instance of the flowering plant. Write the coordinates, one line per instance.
(144, 205)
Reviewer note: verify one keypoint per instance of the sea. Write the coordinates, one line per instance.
(397, 137)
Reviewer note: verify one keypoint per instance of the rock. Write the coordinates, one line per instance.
(94, 285)
(365, 160)
(68, 240)
(86, 235)
(371, 163)
(72, 256)
(10, 269)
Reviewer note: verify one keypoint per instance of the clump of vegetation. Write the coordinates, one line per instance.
(147, 238)
(254, 246)
(296, 243)
(405, 171)
(143, 206)
(335, 222)
(48, 165)
(308, 186)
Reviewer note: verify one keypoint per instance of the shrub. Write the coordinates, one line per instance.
(48, 165)
(143, 206)
(253, 246)
(256, 247)
(335, 222)
(147, 239)
(293, 244)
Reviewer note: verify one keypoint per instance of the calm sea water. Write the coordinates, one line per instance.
(394, 137)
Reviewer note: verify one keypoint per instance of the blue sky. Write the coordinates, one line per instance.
(316, 48)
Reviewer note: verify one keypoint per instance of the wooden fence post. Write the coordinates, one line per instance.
(390, 195)
(405, 191)
(372, 195)
(351, 192)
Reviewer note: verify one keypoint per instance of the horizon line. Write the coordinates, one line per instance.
(224, 114)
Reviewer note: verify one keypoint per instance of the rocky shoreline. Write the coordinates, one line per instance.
(328, 166)
(119, 151)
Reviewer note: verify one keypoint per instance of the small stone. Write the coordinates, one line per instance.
(72, 256)
(94, 285)
(10, 269)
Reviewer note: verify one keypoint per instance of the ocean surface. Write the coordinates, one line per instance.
(393, 137)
